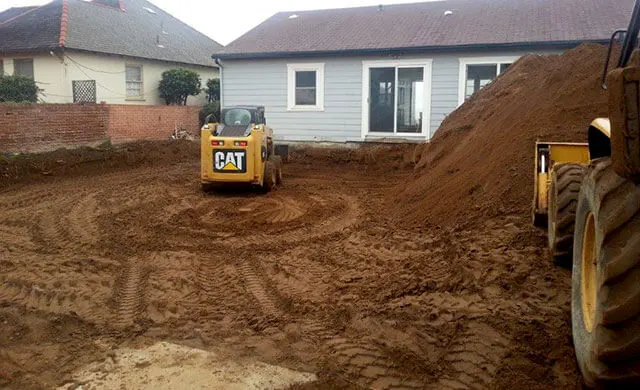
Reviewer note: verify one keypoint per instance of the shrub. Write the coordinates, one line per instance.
(213, 90)
(178, 84)
(18, 89)
(210, 108)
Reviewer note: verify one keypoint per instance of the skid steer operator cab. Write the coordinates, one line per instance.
(239, 149)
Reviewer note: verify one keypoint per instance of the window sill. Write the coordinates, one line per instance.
(306, 108)
(380, 134)
(135, 99)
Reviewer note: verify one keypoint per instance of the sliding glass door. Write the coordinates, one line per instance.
(409, 110)
(382, 99)
(397, 98)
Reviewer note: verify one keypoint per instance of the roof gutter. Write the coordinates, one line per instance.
(411, 50)
(219, 63)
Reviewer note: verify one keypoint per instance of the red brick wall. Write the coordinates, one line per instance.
(32, 128)
(131, 123)
(42, 127)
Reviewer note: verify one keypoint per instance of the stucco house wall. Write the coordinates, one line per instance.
(55, 74)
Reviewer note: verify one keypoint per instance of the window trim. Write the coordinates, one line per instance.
(462, 75)
(141, 96)
(427, 64)
(33, 66)
(291, 86)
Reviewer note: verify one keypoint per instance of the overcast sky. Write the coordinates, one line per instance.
(225, 21)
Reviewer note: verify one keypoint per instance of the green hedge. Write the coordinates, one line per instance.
(18, 89)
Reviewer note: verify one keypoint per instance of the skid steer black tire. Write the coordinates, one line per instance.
(277, 161)
(564, 188)
(605, 298)
(208, 188)
(269, 180)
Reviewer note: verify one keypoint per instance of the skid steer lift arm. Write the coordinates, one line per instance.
(629, 44)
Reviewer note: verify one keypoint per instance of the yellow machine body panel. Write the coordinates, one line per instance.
(233, 159)
(547, 154)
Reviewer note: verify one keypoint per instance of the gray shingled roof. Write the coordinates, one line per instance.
(424, 25)
(134, 32)
(13, 12)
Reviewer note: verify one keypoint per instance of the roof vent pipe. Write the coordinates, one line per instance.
(448, 12)
(379, 7)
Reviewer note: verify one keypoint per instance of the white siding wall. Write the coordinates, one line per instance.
(55, 75)
(264, 82)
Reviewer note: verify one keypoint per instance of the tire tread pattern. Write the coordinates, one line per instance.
(616, 341)
(566, 182)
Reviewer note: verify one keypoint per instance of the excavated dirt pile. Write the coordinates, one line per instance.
(480, 162)
(23, 168)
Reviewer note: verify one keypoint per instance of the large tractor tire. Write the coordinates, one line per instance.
(605, 299)
(564, 188)
(270, 176)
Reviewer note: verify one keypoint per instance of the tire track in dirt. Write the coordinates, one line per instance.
(17, 203)
(15, 236)
(71, 222)
(171, 282)
(130, 293)
(360, 361)
(339, 221)
(473, 357)
(221, 294)
(32, 296)
(256, 285)
(278, 209)
(300, 274)
(81, 220)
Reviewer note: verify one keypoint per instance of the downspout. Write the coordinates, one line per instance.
(217, 60)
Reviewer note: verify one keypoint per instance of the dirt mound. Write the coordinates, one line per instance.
(85, 161)
(480, 162)
(368, 156)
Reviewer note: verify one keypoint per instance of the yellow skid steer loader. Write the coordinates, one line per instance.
(240, 149)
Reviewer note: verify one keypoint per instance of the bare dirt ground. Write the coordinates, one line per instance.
(317, 276)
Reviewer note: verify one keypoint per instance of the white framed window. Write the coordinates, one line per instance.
(134, 81)
(476, 72)
(305, 87)
(23, 67)
(396, 98)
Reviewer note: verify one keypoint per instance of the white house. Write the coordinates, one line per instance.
(395, 71)
(111, 51)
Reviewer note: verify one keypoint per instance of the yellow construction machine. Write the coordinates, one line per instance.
(589, 195)
(238, 150)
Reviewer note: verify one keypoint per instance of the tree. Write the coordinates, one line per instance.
(18, 89)
(210, 108)
(213, 90)
(178, 84)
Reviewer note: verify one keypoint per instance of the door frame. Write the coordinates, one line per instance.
(425, 63)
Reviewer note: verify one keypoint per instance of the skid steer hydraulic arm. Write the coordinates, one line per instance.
(629, 44)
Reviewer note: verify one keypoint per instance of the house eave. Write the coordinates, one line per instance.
(58, 49)
(410, 50)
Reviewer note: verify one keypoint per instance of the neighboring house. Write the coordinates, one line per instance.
(111, 51)
(396, 71)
